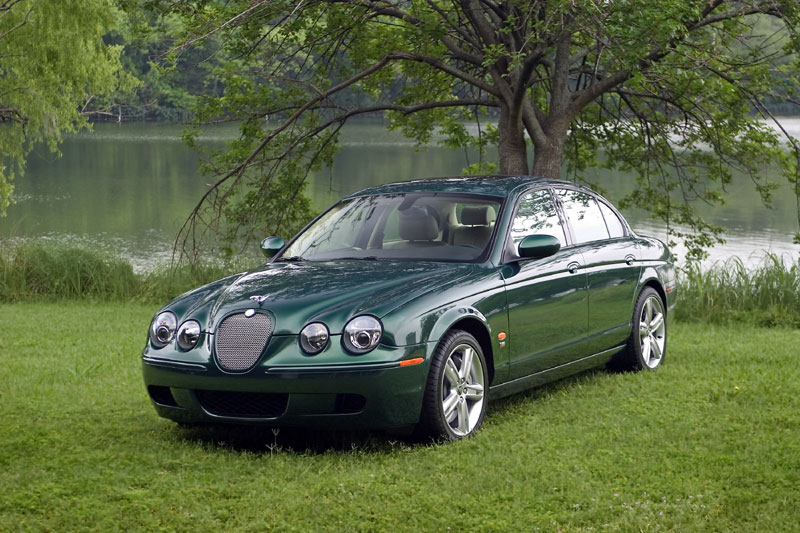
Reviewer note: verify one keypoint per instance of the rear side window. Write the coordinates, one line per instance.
(615, 227)
(584, 215)
(537, 216)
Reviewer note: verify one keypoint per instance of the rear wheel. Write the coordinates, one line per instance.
(648, 341)
(455, 395)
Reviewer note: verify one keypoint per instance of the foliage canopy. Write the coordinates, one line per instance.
(673, 91)
(52, 61)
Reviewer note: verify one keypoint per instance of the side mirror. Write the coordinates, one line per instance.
(271, 246)
(538, 246)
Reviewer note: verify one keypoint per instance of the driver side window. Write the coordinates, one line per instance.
(537, 215)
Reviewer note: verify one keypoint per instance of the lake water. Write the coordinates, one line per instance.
(128, 187)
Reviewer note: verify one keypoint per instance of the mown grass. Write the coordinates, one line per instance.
(709, 442)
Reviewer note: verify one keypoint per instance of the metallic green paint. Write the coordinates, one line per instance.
(538, 246)
(561, 314)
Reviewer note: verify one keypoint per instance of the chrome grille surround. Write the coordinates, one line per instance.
(240, 340)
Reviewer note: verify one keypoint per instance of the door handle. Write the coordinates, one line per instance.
(572, 268)
(629, 260)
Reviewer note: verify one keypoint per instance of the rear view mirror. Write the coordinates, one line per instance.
(538, 246)
(271, 246)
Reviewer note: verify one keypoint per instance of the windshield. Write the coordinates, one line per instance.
(430, 227)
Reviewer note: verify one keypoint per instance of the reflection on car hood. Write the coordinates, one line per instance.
(333, 292)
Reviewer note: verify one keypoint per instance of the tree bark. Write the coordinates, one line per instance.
(511, 146)
(548, 157)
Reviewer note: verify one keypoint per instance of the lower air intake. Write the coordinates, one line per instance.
(162, 396)
(243, 404)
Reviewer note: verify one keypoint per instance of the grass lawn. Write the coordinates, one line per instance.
(710, 442)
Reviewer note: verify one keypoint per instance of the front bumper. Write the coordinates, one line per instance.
(376, 393)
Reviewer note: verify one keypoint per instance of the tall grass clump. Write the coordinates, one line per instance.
(32, 270)
(765, 295)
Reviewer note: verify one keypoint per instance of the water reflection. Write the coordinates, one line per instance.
(127, 188)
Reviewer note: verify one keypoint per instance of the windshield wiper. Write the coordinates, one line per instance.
(365, 258)
(291, 259)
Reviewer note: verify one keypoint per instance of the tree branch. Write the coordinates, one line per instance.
(19, 25)
(448, 69)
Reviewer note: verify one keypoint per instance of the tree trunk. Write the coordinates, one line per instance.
(511, 144)
(548, 158)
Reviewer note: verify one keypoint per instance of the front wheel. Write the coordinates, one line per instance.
(455, 395)
(648, 341)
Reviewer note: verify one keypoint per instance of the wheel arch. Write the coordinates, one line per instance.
(659, 288)
(474, 324)
(480, 331)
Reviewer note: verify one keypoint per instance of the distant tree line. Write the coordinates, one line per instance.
(169, 81)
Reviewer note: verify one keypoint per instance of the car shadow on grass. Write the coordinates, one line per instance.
(504, 406)
(272, 440)
(266, 440)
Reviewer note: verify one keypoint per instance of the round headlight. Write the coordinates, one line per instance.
(314, 338)
(362, 334)
(163, 329)
(188, 334)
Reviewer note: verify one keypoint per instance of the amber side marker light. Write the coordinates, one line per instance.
(501, 336)
(410, 362)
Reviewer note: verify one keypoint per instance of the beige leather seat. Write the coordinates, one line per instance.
(477, 224)
(418, 228)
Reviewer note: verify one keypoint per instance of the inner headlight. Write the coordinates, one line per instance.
(163, 329)
(188, 334)
(314, 338)
(362, 334)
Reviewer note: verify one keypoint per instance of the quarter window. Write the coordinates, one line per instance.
(537, 216)
(615, 227)
(584, 215)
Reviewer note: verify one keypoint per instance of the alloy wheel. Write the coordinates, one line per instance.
(463, 389)
(652, 331)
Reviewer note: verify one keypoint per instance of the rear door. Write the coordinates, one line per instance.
(611, 265)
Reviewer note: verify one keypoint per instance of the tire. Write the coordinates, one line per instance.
(455, 399)
(647, 344)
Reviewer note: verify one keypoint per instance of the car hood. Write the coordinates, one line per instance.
(332, 292)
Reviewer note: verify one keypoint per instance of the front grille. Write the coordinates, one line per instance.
(240, 340)
(243, 404)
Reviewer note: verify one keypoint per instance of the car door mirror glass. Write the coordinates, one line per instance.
(271, 246)
(538, 246)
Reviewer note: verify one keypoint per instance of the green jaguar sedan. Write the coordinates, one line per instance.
(416, 304)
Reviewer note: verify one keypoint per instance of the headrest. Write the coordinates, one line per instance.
(416, 224)
(478, 216)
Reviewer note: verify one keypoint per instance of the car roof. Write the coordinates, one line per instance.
(487, 185)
